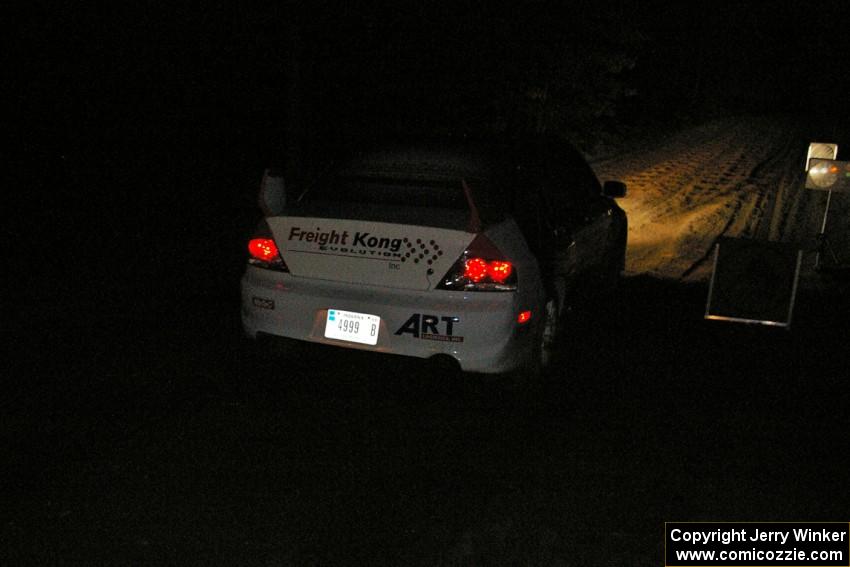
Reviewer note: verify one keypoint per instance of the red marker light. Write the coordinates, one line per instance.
(524, 317)
(263, 249)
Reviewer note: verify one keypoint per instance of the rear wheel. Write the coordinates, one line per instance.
(612, 266)
(526, 381)
(549, 335)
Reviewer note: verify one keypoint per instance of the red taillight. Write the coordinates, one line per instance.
(524, 317)
(263, 249)
(499, 271)
(482, 267)
(475, 269)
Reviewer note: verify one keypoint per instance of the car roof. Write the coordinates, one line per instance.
(431, 160)
(457, 157)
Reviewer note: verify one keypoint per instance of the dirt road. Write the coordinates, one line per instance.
(733, 177)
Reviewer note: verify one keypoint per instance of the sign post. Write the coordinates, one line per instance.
(831, 176)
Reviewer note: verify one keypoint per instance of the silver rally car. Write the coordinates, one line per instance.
(464, 251)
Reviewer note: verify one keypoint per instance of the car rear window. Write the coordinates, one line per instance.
(401, 191)
(391, 191)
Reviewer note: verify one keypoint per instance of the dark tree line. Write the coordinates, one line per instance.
(231, 80)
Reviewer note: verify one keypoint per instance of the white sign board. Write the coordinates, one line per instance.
(821, 150)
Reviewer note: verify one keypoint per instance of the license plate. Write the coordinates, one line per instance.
(352, 327)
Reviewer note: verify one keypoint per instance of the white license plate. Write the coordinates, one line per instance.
(353, 327)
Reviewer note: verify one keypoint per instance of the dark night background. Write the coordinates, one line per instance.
(139, 135)
(136, 119)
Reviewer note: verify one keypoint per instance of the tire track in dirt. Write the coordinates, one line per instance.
(724, 178)
(759, 196)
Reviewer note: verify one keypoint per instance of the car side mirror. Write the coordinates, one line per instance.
(614, 189)
(272, 197)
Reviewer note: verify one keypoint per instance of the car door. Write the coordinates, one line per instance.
(548, 236)
(577, 207)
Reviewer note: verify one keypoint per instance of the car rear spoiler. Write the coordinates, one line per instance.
(474, 225)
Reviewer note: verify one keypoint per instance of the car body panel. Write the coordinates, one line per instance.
(368, 253)
(478, 329)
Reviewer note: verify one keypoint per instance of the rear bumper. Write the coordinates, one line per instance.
(479, 330)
